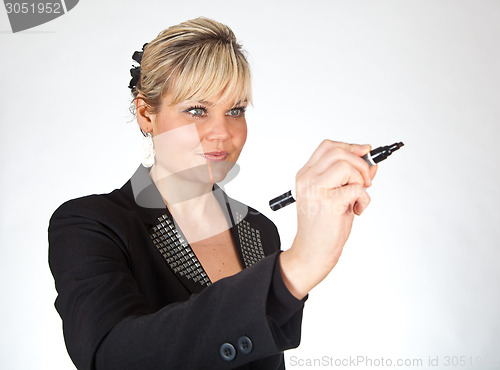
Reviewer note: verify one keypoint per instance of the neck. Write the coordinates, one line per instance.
(192, 204)
(185, 196)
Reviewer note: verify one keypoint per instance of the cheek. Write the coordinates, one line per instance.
(240, 136)
(176, 142)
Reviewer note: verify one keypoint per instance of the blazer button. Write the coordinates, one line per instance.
(227, 352)
(245, 345)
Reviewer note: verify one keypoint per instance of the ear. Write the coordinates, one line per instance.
(144, 118)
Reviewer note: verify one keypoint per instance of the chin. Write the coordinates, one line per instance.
(219, 170)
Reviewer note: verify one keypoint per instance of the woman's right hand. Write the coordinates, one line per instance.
(330, 190)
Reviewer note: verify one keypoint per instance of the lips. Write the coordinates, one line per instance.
(215, 156)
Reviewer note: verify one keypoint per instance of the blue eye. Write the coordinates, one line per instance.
(236, 112)
(196, 111)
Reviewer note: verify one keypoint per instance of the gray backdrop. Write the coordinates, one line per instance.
(419, 277)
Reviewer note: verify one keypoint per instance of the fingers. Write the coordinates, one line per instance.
(335, 178)
(373, 171)
(349, 198)
(339, 199)
(339, 174)
(361, 203)
(327, 145)
(330, 152)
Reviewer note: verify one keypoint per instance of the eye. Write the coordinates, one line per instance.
(196, 111)
(236, 112)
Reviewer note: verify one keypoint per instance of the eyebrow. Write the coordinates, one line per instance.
(240, 102)
(206, 102)
(210, 104)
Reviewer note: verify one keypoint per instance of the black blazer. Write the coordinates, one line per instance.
(132, 295)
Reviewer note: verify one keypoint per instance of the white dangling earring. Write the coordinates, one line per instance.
(147, 144)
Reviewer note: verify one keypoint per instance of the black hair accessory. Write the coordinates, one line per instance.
(135, 71)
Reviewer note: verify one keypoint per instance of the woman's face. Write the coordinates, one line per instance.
(198, 140)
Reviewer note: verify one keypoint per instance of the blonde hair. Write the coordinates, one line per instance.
(195, 60)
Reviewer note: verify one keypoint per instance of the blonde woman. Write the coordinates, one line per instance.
(168, 272)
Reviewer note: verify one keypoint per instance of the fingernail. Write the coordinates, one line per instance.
(357, 209)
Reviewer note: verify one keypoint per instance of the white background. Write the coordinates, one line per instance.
(420, 274)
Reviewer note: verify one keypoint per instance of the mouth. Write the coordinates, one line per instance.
(215, 156)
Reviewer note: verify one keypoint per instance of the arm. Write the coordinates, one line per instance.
(108, 324)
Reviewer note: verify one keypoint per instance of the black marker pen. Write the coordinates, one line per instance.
(375, 156)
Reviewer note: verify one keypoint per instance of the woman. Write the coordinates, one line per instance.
(168, 271)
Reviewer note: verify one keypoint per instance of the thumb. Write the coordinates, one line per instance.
(361, 150)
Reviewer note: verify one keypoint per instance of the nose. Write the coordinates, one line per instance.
(217, 129)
